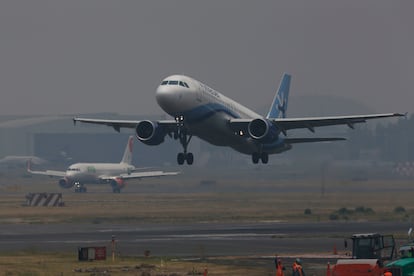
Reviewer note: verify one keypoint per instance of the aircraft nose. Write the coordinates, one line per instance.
(69, 173)
(165, 96)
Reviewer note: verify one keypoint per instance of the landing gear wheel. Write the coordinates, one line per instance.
(190, 158)
(255, 157)
(265, 157)
(80, 190)
(180, 158)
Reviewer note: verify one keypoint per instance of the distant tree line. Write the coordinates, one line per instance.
(392, 141)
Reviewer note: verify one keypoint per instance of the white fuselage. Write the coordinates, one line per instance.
(93, 172)
(207, 113)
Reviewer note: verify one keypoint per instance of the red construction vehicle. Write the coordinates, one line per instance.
(369, 252)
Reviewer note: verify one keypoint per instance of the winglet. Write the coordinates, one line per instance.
(29, 165)
(280, 102)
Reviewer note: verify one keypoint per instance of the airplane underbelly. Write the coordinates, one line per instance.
(87, 178)
(250, 146)
(214, 130)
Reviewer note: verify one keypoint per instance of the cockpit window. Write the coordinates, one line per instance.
(175, 82)
(73, 169)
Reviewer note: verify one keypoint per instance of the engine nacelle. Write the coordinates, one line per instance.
(150, 133)
(65, 183)
(263, 130)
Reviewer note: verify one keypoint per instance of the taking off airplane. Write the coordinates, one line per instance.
(201, 111)
(115, 174)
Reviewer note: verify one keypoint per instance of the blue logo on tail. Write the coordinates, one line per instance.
(280, 102)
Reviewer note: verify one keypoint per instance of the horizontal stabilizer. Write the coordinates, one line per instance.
(310, 140)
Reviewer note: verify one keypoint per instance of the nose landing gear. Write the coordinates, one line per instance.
(184, 139)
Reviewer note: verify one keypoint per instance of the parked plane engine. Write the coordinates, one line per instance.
(65, 183)
(118, 184)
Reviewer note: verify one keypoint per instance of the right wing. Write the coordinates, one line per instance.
(170, 125)
(147, 174)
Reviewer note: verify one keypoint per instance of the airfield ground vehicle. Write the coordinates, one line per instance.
(369, 252)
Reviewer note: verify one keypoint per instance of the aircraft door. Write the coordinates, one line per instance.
(199, 93)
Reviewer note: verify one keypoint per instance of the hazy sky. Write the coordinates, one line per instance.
(60, 57)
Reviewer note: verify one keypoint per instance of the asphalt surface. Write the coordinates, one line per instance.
(192, 240)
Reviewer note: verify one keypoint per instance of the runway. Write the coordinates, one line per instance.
(192, 240)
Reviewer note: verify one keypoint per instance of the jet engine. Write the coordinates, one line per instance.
(150, 133)
(65, 183)
(263, 130)
(117, 184)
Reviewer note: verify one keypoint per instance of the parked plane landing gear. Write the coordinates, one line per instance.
(264, 156)
(79, 188)
(185, 139)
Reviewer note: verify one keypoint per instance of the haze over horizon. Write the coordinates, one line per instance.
(68, 57)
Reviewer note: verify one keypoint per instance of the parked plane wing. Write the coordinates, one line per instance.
(50, 173)
(138, 175)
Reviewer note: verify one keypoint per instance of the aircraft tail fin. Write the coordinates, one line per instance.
(280, 102)
(127, 158)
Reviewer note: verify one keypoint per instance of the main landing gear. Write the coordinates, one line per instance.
(256, 156)
(184, 139)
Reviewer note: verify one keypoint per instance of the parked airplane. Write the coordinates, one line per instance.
(21, 160)
(97, 173)
(203, 112)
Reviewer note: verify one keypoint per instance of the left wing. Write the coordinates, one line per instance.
(138, 175)
(310, 123)
(170, 125)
